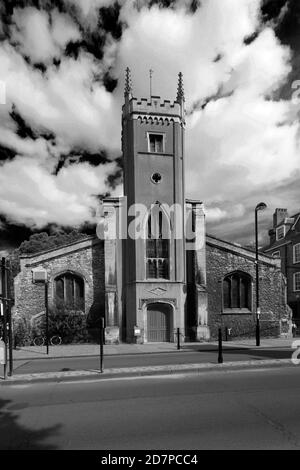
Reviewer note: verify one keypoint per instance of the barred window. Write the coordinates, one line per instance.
(157, 246)
(69, 291)
(237, 291)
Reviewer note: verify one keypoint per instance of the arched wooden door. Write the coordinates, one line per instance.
(159, 323)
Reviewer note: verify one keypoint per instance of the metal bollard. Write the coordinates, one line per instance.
(220, 355)
(178, 338)
(102, 340)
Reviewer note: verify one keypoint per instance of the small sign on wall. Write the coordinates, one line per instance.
(137, 331)
(39, 275)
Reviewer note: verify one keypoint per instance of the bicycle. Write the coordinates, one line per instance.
(41, 340)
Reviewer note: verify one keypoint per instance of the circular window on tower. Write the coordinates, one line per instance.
(156, 178)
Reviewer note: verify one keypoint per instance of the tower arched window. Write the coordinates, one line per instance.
(69, 291)
(157, 245)
(237, 291)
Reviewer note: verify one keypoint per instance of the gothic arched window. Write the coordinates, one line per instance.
(69, 291)
(237, 291)
(157, 245)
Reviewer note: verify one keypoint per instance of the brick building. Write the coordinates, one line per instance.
(285, 245)
(152, 269)
(228, 264)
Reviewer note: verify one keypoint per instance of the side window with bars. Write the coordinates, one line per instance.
(69, 291)
(157, 247)
(237, 291)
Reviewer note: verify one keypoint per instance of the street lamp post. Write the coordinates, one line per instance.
(261, 206)
(39, 275)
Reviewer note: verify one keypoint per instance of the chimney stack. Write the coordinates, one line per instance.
(279, 216)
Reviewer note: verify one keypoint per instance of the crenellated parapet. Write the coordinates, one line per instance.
(153, 105)
(153, 109)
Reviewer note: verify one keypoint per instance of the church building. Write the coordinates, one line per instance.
(151, 268)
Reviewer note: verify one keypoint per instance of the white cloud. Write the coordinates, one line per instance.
(31, 33)
(63, 29)
(31, 195)
(172, 40)
(217, 214)
(40, 36)
(67, 100)
(89, 7)
(238, 148)
(243, 140)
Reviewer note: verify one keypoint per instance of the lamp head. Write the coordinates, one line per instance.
(261, 206)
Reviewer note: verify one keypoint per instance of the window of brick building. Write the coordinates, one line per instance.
(69, 291)
(297, 281)
(297, 253)
(237, 288)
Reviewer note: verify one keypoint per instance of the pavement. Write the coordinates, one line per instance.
(86, 350)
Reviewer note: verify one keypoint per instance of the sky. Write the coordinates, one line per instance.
(62, 68)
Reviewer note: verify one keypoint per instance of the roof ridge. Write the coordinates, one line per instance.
(64, 245)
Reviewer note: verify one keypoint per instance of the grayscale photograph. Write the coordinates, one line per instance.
(149, 229)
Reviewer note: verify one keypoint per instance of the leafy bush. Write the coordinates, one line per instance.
(71, 327)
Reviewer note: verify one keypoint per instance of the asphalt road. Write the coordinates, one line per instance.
(253, 409)
(180, 357)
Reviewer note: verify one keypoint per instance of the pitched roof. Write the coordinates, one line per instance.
(242, 251)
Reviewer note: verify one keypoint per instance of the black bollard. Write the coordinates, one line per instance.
(220, 355)
(178, 338)
(102, 339)
(257, 332)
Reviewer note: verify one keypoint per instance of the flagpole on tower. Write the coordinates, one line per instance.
(150, 75)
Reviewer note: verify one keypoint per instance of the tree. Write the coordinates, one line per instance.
(41, 242)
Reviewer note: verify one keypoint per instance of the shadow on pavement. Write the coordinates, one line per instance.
(264, 353)
(14, 436)
(41, 350)
(261, 353)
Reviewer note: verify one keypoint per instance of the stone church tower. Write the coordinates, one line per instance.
(163, 284)
(151, 269)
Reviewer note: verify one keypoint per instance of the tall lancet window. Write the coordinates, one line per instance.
(157, 245)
